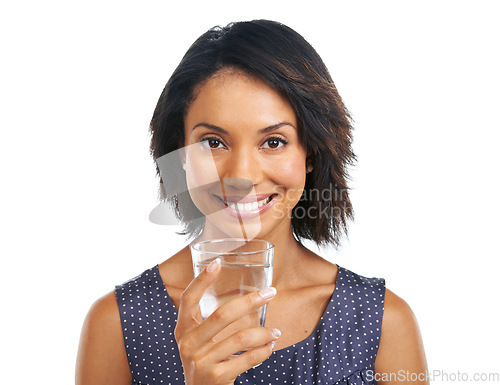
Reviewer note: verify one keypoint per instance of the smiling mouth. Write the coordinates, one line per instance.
(246, 207)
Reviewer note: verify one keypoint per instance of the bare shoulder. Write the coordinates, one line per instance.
(398, 316)
(401, 348)
(101, 354)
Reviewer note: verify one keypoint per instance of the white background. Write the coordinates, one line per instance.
(80, 80)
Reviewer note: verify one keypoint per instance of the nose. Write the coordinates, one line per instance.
(241, 170)
(238, 183)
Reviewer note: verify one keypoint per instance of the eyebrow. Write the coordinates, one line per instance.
(263, 131)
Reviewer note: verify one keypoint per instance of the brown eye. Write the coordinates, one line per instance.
(275, 143)
(211, 143)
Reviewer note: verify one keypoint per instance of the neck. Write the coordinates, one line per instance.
(289, 260)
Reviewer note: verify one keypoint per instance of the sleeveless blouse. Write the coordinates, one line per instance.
(341, 350)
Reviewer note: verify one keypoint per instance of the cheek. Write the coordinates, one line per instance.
(201, 171)
(201, 175)
(291, 175)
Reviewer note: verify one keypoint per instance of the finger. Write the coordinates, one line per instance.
(237, 365)
(241, 341)
(189, 310)
(232, 311)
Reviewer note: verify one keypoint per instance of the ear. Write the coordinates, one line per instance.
(182, 157)
(309, 164)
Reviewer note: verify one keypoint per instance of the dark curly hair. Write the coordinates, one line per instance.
(285, 61)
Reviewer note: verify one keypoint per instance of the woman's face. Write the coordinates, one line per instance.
(245, 166)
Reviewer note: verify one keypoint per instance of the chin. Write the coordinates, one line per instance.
(231, 228)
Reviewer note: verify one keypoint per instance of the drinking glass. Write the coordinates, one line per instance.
(246, 266)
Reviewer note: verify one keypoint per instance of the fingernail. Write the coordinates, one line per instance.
(273, 344)
(268, 293)
(276, 332)
(213, 265)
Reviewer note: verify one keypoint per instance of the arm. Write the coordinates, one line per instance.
(101, 355)
(401, 350)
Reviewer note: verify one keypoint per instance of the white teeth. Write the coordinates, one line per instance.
(249, 206)
(265, 201)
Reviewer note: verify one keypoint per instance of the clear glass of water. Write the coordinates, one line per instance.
(246, 266)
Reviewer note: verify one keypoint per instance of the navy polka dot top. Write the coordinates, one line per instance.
(341, 350)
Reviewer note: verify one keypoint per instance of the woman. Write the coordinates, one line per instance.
(254, 105)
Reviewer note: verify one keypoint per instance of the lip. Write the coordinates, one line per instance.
(245, 199)
(246, 214)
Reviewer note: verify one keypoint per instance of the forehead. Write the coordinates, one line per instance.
(232, 98)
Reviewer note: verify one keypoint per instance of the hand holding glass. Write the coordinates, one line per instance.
(246, 266)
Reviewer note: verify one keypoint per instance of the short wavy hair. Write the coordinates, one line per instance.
(285, 61)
